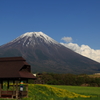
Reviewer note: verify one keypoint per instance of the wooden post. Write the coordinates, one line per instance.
(13, 89)
(7, 85)
(0, 89)
(27, 87)
(2, 84)
(13, 85)
(17, 89)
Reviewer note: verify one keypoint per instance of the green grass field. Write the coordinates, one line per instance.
(93, 91)
(59, 92)
(81, 90)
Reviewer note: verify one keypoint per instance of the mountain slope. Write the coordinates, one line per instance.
(47, 55)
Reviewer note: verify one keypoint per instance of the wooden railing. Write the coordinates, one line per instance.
(12, 94)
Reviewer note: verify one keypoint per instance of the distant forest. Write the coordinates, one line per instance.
(67, 79)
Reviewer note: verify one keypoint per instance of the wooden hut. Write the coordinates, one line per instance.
(14, 70)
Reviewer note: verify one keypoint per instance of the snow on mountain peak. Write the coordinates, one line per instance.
(36, 34)
(32, 37)
(41, 35)
(30, 34)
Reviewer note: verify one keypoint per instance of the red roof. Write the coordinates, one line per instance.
(15, 67)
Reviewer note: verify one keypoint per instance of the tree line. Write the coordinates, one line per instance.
(67, 79)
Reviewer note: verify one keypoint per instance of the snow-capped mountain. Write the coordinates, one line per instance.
(45, 54)
(33, 38)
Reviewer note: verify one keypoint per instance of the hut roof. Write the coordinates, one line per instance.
(15, 67)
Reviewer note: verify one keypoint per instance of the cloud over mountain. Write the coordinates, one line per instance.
(84, 50)
(67, 39)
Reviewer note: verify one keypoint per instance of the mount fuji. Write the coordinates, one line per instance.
(44, 54)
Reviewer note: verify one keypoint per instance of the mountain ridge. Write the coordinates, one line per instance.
(45, 54)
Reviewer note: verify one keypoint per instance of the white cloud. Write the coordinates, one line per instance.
(67, 39)
(84, 50)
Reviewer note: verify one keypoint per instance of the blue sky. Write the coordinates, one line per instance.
(78, 19)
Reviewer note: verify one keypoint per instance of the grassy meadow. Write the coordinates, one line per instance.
(81, 89)
(61, 92)
(94, 92)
